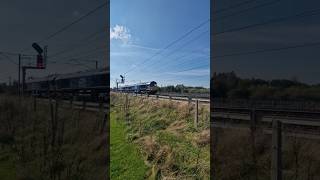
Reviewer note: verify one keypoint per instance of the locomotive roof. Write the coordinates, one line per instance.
(81, 74)
(69, 75)
(138, 84)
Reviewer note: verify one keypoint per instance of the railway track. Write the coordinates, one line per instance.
(306, 121)
(177, 97)
(295, 123)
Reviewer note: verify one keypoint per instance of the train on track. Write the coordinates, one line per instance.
(140, 88)
(93, 84)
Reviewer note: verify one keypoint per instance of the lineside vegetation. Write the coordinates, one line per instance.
(164, 132)
(52, 141)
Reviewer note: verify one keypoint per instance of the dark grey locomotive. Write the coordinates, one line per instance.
(94, 83)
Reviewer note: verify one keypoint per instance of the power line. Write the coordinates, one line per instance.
(299, 15)
(176, 60)
(194, 68)
(269, 50)
(179, 48)
(64, 28)
(171, 44)
(184, 70)
(15, 53)
(84, 54)
(187, 62)
(75, 47)
(247, 9)
(233, 6)
(74, 22)
(8, 58)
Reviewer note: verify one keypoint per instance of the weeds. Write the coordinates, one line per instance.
(52, 142)
(233, 156)
(164, 132)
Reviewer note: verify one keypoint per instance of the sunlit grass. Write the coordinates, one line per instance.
(126, 161)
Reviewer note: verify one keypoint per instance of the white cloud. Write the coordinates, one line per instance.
(119, 32)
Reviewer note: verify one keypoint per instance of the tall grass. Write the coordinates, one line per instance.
(52, 142)
(235, 152)
(164, 131)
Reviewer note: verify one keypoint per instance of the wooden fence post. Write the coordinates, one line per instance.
(35, 103)
(253, 120)
(196, 120)
(84, 103)
(71, 102)
(104, 123)
(253, 127)
(126, 105)
(276, 162)
(101, 106)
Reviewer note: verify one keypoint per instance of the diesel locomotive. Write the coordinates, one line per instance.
(140, 88)
(95, 83)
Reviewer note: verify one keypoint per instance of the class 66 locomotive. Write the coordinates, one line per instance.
(140, 88)
(92, 85)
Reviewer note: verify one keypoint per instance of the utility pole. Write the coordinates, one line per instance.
(10, 81)
(117, 84)
(19, 75)
(23, 79)
(276, 162)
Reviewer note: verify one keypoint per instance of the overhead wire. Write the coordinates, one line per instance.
(66, 27)
(171, 44)
(269, 50)
(175, 51)
(275, 20)
(246, 10)
(236, 13)
(8, 58)
(79, 44)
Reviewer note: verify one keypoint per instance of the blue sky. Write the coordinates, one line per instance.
(263, 25)
(141, 31)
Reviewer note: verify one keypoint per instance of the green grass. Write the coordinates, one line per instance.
(164, 133)
(126, 162)
(7, 168)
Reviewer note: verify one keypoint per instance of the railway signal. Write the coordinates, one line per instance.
(41, 59)
(122, 79)
(120, 82)
(37, 48)
(40, 63)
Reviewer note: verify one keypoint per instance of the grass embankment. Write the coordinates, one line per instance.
(53, 142)
(237, 157)
(126, 161)
(165, 135)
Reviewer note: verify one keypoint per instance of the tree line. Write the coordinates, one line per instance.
(180, 88)
(229, 85)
